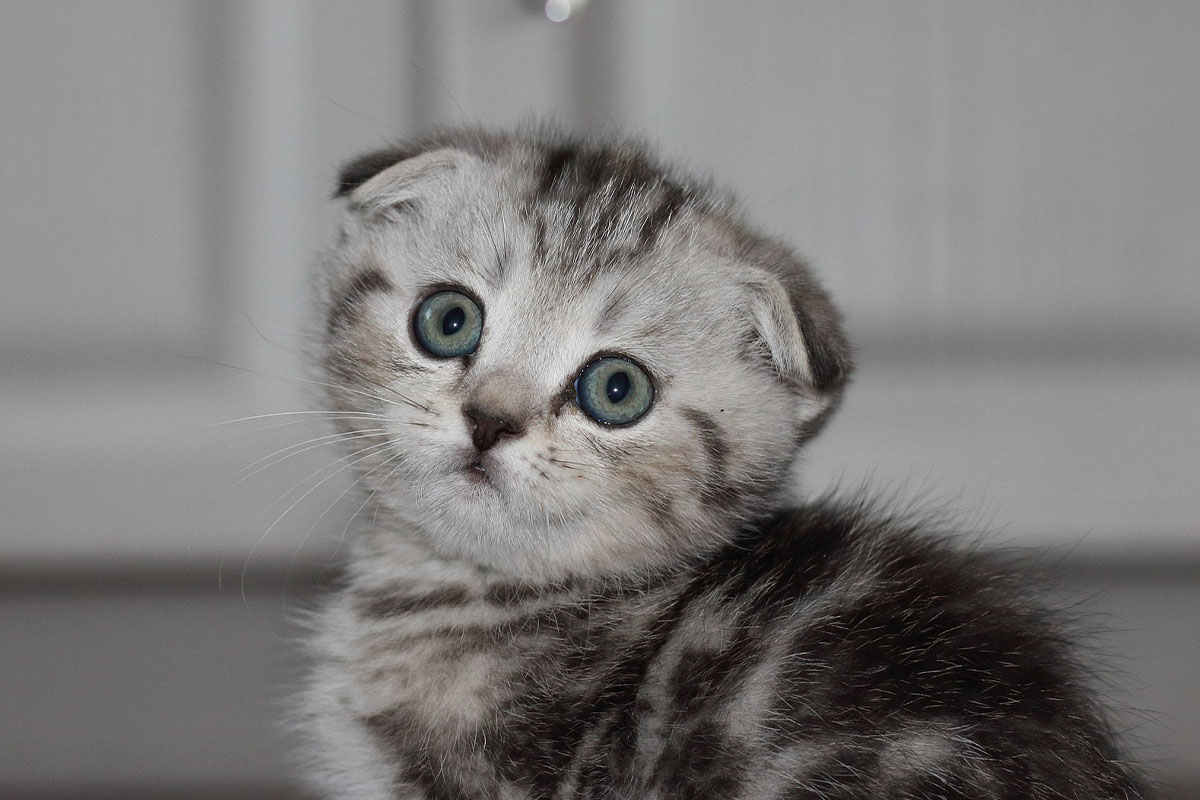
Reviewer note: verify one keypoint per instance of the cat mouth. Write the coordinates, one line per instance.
(476, 472)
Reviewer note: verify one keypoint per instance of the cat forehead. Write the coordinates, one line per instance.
(585, 240)
(546, 269)
(585, 208)
(556, 319)
(591, 248)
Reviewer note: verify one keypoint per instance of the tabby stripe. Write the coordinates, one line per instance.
(700, 764)
(540, 249)
(347, 303)
(712, 436)
(587, 273)
(716, 490)
(592, 173)
(670, 202)
(552, 170)
(604, 702)
(509, 594)
(390, 604)
(658, 504)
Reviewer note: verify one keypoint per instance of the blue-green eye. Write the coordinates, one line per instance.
(614, 391)
(448, 324)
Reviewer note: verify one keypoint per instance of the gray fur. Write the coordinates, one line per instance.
(564, 609)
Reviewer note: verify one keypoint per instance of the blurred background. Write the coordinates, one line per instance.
(1003, 197)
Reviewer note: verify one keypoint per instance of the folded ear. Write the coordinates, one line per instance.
(798, 329)
(390, 180)
(361, 169)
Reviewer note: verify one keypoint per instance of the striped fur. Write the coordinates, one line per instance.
(580, 611)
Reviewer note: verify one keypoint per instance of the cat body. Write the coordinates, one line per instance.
(576, 385)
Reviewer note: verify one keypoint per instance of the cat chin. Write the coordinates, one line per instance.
(463, 520)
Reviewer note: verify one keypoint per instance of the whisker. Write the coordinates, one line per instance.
(290, 451)
(286, 348)
(560, 449)
(564, 462)
(368, 451)
(390, 485)
(306, 414)
(310, 421)
(406, 400)
(333, 467)
(426, 407)
(323, 514)
(386, 478)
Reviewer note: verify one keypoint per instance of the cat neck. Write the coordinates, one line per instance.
(386, 552)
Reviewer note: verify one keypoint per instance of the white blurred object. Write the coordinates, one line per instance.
(556, 10)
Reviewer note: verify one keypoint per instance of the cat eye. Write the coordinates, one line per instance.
(448, 324)
(614, 391)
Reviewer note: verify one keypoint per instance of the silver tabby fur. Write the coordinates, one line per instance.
(582, 611)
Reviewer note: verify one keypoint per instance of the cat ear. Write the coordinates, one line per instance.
(799, 330)
(387, 180)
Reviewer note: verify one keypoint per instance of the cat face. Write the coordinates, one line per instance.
(573, 361)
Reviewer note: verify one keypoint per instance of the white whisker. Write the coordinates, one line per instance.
(340, 387)
(328, 508)
(369, 497)
(358, 455)
(307, 417)
(284, 453)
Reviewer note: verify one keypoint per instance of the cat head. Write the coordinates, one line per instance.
(567, 357)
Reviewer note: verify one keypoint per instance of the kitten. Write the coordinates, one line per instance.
(576, 384)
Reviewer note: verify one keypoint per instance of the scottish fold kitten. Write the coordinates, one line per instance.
(575, 384)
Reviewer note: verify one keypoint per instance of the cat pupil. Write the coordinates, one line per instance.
(617, 387)
(453, 320)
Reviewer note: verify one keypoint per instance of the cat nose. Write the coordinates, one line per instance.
(499, 404)
(488, 427)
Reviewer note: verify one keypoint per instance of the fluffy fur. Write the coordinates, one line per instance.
(642, 611)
